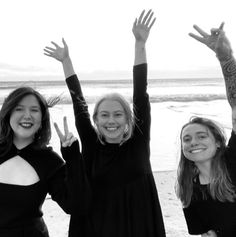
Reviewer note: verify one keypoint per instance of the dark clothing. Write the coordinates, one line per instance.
(207, 214)
(21, 206)
(125, 201)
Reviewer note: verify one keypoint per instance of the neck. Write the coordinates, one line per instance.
(20, 143)
(204, 172)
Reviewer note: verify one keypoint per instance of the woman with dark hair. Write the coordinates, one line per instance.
(29, 169)
(116, 151)
(206, 178)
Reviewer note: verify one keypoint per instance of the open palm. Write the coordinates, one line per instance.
(142, 26)
(59, 53)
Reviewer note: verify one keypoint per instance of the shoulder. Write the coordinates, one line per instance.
(48, 161)
(51, 156)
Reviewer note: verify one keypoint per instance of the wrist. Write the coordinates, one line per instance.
(66, 60)
(225, 57)
(140, 44)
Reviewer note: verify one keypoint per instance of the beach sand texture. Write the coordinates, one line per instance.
(58, 222)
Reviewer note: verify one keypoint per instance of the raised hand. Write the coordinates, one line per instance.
(59, 53)
(217, 41)
(142, 26)
(66, 139)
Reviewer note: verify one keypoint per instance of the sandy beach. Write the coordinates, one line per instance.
(57, 221)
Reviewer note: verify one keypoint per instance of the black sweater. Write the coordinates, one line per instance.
(21, 206)
(208, 214)
(125, 200)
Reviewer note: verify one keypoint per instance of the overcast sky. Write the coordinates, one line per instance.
(99, 36)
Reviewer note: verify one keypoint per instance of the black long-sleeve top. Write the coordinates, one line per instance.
(21, 206)
(208, 214)
(125, 200)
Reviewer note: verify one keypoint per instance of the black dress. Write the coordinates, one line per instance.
(208, 214)
(125, 202)
(21, 206)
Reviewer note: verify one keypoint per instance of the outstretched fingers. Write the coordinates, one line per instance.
(66, 129)
(222, 26)
(200, 31)
(146, 19)
(59, 133)
(55, 44)
(48, 51)
(141, 17)
(67, 138)
(196, 37)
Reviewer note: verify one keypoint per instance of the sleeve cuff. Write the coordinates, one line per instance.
(71, 152)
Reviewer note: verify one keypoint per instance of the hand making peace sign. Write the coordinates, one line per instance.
(68, 138)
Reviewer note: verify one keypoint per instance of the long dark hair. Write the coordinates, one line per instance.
(220, 186)
(43, 135)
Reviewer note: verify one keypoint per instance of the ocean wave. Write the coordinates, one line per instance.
(157, 98)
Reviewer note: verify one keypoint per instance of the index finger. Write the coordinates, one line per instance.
(221, 26)
(66, 129)
(59, 133)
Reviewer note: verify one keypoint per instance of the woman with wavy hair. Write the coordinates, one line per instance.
(29, 168)
(117, 150)
(206, 178)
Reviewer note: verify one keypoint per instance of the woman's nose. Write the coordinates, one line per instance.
(194, 142)
(27, 113)
(111, 119)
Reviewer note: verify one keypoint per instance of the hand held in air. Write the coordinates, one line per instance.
(141, 29)
(216, 41)
(67, 138)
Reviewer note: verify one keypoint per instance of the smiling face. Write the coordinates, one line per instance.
(111, 121)
(198, 143)
(25, 120)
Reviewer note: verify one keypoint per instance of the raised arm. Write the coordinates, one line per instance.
(218, 42)
(82, 117)
(141, 29)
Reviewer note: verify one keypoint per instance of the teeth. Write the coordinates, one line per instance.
(26, 125)
(111, 129)
(196, 151)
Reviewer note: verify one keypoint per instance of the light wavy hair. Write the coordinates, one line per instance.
(220, 186)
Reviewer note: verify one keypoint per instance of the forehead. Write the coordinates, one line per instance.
(29, 100)
(110, 105)
(193, 129)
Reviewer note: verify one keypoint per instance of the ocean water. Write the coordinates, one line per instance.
(160, 90)
(173, 102)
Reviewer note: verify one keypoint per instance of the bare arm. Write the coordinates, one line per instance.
(218, 42)
(141, 29)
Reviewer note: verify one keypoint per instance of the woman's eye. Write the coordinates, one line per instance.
(18, 109)
(202, 137)
(187, 139)
(34, 110)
